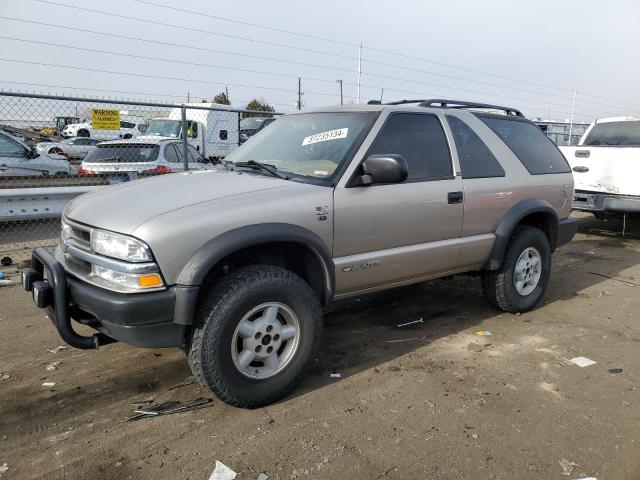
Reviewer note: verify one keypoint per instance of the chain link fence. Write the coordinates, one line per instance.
(54, 148)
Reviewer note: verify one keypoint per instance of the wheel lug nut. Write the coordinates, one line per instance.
(276, 337)
(258, 348)
(257, 335)
(269, 349)
(269, 328)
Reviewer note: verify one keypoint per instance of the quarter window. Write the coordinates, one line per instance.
(11, 148)
(420, 139)
(476, 160)
(170, 154)
(532, 147)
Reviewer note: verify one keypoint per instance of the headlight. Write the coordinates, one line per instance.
(129, 280)
(65, 233)
(119, 246)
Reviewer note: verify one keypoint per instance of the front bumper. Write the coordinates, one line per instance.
(605, 203)
(140, 319)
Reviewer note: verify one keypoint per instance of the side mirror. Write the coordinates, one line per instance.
(32, 153)
(380, 169)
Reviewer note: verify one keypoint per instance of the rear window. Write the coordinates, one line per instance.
(126, 153)
(619, 134)
(532, 147)
(476, 160)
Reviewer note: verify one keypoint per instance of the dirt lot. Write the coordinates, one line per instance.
(447, 404)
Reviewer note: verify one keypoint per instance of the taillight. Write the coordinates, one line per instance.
(155, 171)
(82, 171)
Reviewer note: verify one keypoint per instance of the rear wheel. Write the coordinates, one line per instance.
(520, 282)
(256, 332)
(83, 133)
(56, 151)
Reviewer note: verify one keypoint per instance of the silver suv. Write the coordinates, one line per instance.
(234, 265)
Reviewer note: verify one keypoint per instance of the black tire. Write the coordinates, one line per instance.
(499, 285)
(127, 136)
(55, 150)
(83, 133)
(222, 305)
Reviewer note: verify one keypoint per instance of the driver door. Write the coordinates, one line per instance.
(398, 233)
(13, 159)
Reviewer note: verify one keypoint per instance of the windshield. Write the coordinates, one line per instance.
(626, 134)
(125, 153)
(308, 145)
(164, 128)
(251, 123)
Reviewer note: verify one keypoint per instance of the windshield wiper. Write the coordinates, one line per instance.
(263, 167)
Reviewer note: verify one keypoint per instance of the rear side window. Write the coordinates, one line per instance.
(620, 134)
(476, 160)
(420, 139)
(532, 147)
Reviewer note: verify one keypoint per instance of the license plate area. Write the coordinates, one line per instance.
(584, 200)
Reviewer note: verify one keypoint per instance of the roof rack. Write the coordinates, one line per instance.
(442, 103)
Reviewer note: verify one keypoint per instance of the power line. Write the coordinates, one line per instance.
(240, 22)
(180, 45)
(386, 52)
(319, 51)
(142, 75)
(198, 30)
(161, 59)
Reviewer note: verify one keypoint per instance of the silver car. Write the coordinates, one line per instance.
(125, 160)
(17, 159)
(72, 148)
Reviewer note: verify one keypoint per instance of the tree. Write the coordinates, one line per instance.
(222, 99)
(259, 106)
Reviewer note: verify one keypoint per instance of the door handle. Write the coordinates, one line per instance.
(455, 197)
(581, 169)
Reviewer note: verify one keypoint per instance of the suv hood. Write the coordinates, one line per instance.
(122, 208)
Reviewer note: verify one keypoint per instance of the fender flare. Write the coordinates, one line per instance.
(201, 262)
(509, 221)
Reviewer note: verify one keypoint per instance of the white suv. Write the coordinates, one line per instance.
(128, 129)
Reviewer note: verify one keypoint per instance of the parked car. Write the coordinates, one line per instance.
(235, 265)
(17, 159)
(606, 165)
(125, 160)
(129, 128)
(251, 125)
(72, 148)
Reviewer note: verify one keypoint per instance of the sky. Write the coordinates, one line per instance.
(531, 55)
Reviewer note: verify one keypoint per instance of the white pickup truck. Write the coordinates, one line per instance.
(606, 167)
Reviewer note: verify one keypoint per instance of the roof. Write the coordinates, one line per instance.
(618, 119)
(142, 140)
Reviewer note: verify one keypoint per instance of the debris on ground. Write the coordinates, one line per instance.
(582, 361)
(404, 340)
(57, 349)
(626, 282)
(188, 381)
(335, 375)
(222, 472)
(567, 466)
(142, 402)
(2, 275)
(615, 370)
(167, 408)
(484, 333)
(263, 476)
(49, 384)
(5, 283)
(3, 468)
(474, 347)
(4, 376)
(52, 366)
(6, 261)
(400, 325)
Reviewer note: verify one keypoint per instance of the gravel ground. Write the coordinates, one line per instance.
(440, 402)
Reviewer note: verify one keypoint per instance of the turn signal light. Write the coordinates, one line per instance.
(159, 169)
(82, 171)
(149, 280)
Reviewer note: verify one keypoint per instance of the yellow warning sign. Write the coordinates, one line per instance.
(105, 119)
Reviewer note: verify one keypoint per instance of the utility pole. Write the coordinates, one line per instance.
(381, 93)
(341, 99)
(188, 97)
(359, 70)
(226, 92)
(299, 93)
(573, 111)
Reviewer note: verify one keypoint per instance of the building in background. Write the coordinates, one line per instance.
(558, 131)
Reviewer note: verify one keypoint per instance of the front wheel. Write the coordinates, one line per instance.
(256, 332)
(518, 285)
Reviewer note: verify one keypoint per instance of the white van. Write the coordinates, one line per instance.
(214, 133)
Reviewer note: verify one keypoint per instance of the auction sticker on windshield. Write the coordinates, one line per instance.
(325, 136)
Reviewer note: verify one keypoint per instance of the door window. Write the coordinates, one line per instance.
(10, 148)
(193, 155)
(420, 139)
